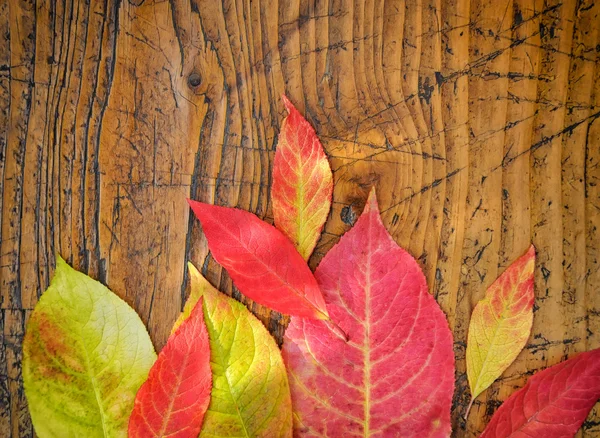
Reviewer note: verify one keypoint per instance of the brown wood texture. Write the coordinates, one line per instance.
(477, 121)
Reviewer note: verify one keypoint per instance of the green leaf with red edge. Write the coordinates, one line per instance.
(302, 182)
(85, 355)
(174, 399)
(395, 375)
(262, 262)
(553, 403)
(500, 324)
(251, 394)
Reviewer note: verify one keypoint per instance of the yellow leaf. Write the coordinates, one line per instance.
(500, 324)
(200, 286)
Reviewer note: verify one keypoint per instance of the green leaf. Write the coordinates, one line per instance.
(250, 395)
(85, 354)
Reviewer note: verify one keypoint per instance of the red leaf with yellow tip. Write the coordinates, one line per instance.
(302, 182)
(395, 375)
(553, 403)
(174, 399)
(262, 262)
(500, 324)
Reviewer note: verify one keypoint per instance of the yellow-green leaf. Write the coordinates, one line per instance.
(250, 395)
(199, 287)
(85, 355)
(500, 324)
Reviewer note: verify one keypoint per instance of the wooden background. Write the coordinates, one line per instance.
(477, 121)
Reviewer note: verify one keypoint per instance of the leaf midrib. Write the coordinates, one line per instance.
(174, 394)
(302, 206)
(485, 359)
(500, 322)
(367, 338)
(89, 369)
(97, 394)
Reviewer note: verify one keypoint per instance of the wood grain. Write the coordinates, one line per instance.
(476, 120)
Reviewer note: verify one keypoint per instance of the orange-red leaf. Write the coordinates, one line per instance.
(553, 403)
(302, 182)
(262, 262)
(501, 324)
(173, 400)
(395, 375)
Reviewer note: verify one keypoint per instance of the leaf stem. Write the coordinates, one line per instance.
(469, 408)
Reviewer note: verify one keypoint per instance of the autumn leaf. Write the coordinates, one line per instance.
(500, 324)
(553, 403)
(262, 262)
(173, 400)
(85, 355)
(200, 287)
(302, 182)
(395, 375)
(250, 395)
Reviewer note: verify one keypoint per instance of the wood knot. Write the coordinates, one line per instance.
(194, 80)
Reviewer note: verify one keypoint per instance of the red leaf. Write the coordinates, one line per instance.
(553, 403)
(302, 182)
(262, 262)
(395, 376)
(176, 395)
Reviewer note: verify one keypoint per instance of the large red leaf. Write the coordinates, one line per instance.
(553, 403)
(174, 399)
(395, 375)
(302, 182)
(262, 262)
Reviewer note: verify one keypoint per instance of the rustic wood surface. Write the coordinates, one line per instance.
(477, 121)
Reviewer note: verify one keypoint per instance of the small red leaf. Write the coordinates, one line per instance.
(173, 400)
(395, 375)
(553, 403)
(262, 262)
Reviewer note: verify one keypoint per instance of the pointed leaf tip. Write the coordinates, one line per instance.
(61, 264)
(200, 287)
(59, 258)
(371, 204)
(289, 106)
